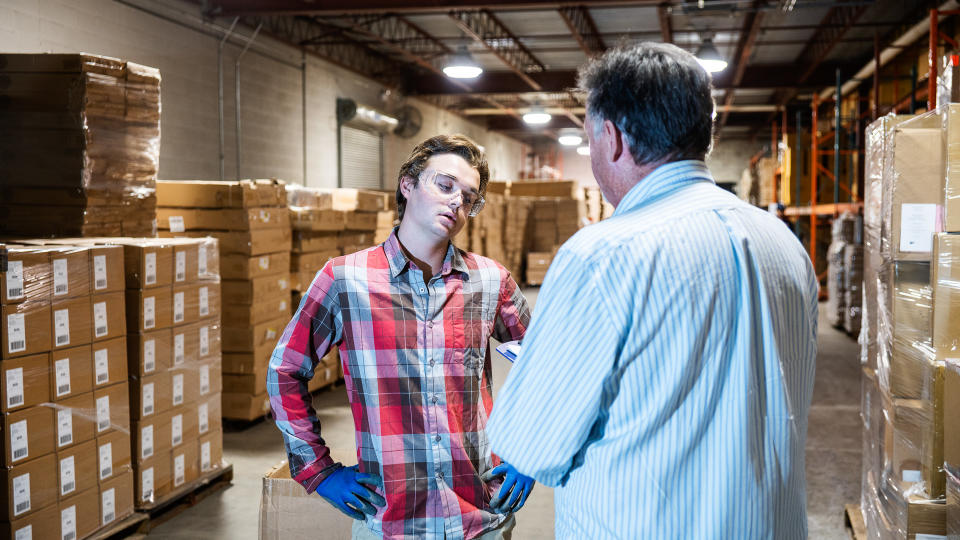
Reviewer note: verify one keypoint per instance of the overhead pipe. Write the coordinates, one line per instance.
(237, 85)
(223, 41)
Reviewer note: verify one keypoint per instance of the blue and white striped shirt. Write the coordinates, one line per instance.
(665, 381)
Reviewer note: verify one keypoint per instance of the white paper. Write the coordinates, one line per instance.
(921, 536)
(282, 283)
(99, 272)
(204, 340)
(61, 327)
(912, 476)
(101, 365)
(270, 334)
(205, 456)
(68, 523)
(203, 418)
(176, 224)
(60, 277)
(149, 312)
(100, 319)
(14, 387)
(265, 263)
(149, 355)
(147, 399)
(918, 222)
(14, 280)
(178, 307)
(265, 216)
(176, 430)
(103, 413)
(24, 533)
(106, 460)
(178, 354)
(62, 368)
(150, 272)
(108, 503)
(18, 441)
(17, 340)
(181, 273)
(283, 306)
(204, 302)
(204, 379)
(202, 261)
(178, 389)
(21, 494)
(178, 470)
(146, 485)
(146, 441)
(68, 475)
(64, 427)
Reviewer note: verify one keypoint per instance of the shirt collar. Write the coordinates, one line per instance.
(399, 261)
(664, 180)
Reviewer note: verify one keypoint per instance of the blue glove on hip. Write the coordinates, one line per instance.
(514, 490)
(346, 489)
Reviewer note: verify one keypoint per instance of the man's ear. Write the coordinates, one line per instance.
(406, 186)
(613, 140)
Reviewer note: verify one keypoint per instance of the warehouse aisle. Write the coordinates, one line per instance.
(833, 458)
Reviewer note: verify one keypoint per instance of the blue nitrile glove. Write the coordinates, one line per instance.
(346, 488)
(514, 490)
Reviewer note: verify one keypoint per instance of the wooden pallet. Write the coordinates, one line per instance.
(853, 522)
(183, 498)
(125, 528)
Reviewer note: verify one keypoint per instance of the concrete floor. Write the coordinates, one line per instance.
(833, 457)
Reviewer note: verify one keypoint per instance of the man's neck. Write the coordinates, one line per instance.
(426, 251)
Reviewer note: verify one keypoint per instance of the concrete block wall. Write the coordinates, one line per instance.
(178, 43)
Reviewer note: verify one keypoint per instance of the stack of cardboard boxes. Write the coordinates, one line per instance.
(66, 418)
(557, 212)
(82, 148)
(252, 224)
(841, 278)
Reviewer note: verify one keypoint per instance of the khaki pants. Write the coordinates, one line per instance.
(503, 532)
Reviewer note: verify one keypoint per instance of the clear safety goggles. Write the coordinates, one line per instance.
(446, 186)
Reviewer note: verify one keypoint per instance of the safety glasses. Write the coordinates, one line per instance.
(446, 186)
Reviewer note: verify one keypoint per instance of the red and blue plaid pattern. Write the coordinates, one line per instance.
(416, 363)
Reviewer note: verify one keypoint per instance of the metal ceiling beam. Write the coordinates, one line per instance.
(311, 7)
(748, 37)
(583, 28)
(666, 25)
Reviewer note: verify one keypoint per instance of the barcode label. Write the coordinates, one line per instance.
(68, 523)
(204, 379)
(176, 430)
(61, 326)
(102, 365)
(146, 484)
(69, 535)
(64, 426)
(100, 319)
(204, 302)
(24, 533)
(60, 279)
(264, 263)
(146, 441)
(176, 224)
(99, 272)
(14, 280)
(205, 456)
(202, 260)
(67, 475)
(270, 334)
(282, 283)
(21, 494)
(149, 312)
(202, 417)
(178, 307)
(17, 333)
(181, 273)
(178, 470)
(106, 460)
(14, 387)
(178, 389)
(265, 216)
(149, 355)
(204, 341)
(103, 413)
(150, 268)
(63, 376)
(147, 399)
(18, 440)
(283, 305)
(178, 349)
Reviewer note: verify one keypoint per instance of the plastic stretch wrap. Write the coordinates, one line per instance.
(853, 285)
(904, 303)
(81, 145)
(836, 301)
(948, 80)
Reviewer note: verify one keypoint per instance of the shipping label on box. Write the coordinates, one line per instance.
(71, 322)
(75, 420)
(106, 269)
(79, 514)
(148, 264)
(28, 433)
(152, 437)
(186, 464)
(109, 362)
(71, 271)
(116, 498)
(917, 187)
(71, 372)
(109, 316)
(113, 408)
(25, 382)
(26, 328)
(152, 481)
(28, 275)
(150, 352)
(77, 468)
(113, 454)
(30, 486)
(211, 451)
(155, 309)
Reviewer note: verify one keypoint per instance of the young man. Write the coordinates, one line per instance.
(666, 379)
(412, 318)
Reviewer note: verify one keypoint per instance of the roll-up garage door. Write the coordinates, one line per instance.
(361, 158)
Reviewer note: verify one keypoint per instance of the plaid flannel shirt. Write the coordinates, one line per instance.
(417, 371)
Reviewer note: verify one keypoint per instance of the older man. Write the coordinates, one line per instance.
(665, 381)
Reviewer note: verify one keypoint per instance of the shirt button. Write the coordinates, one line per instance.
(432, 362)
(440, 475)
(437, 438)
(430, 324)
(422, 289)
(435, 399)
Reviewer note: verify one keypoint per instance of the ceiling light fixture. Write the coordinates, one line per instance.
(569, 137)
(537, 115)
(709, 57)
(461, 65)
(583, 150)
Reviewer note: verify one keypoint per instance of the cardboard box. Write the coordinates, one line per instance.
(113, 408)
(250, 243)
(71, 272)
(79, 514)
(238, 315)
(185, 464)
(259, 340)
(113, 455)
(186, 254)
(75, 420)
(283, 497)
(245, 267)
(184, 386)
(152, 481)
(27, 433)
(946, 297)
(186, 305)
(71, 372)
(256, 290)
(155, 309)
(77, 468)
(212, 194)
(150, 352)
(562, 188)
(151, 394)
(25, 382)
(951, 429)
(116, 499)
(71, 322)
(208, 379)
(208, 300)
(110, 362)
(109, 316)
(106, 269)
(238, 406)
(209, 414)
(30, 486)
(360, 199)
(312, 219)
(251, 383)
(310, 197)
(183, 426)
(147, 263)
(911, 327)
(177, 220)
(26, 328)
(28, 274)
(209, 339)
(43, 523)
(186, 346)
(211, 451)
(352, 238)
(244, 363)
(151, 437)
(360, 221)
(311, 262)
(917, 189)
(305, 241)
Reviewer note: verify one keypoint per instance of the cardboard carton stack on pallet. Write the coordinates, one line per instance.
(252, 225)
(845, 272)
(557, 211)
(65, 407)
(81, 146)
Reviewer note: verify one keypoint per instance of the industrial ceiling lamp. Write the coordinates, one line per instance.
(583, 150)
(461, 65)
(569, 137)
(709, 57)
(537, 115)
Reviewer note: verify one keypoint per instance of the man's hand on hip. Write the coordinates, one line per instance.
(514, 490)
(347, 489)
